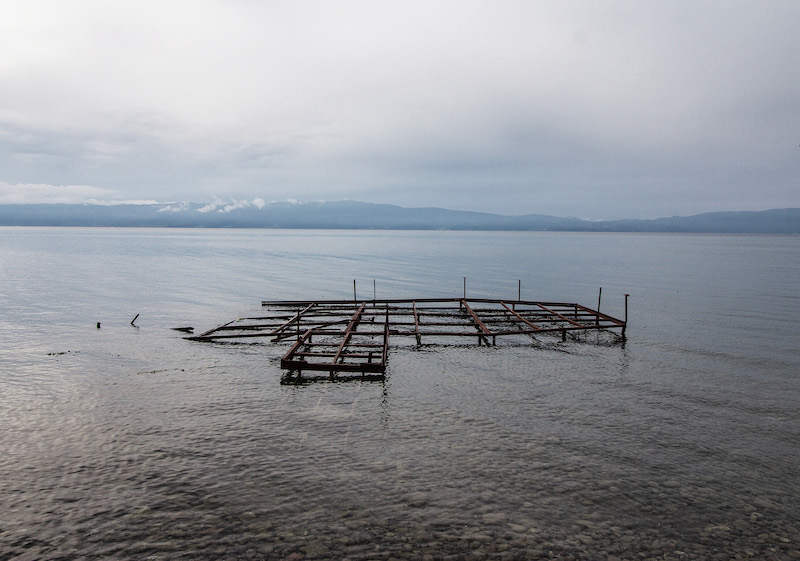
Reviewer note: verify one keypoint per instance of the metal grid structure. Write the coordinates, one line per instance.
(353, 336)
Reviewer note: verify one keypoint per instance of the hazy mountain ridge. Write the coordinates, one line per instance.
(357, 215)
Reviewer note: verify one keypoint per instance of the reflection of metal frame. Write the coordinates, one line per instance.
(353, 336)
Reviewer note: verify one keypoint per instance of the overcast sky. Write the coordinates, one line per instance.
(594, 109)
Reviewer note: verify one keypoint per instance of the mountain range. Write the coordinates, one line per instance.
(359, 215)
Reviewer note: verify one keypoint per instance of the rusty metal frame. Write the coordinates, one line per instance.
(353, 336)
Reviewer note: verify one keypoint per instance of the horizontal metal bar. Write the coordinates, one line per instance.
(377, 367)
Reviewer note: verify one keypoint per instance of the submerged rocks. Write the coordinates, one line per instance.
(417, 500)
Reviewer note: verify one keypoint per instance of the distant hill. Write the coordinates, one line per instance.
(357, 215)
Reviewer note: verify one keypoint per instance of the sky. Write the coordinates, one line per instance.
(598, 110)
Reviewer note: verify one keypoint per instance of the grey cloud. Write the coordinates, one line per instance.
(581, 108)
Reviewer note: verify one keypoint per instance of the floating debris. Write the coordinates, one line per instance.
(184, 329)
(353, 336)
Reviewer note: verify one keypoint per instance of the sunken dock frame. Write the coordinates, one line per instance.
(351, 336)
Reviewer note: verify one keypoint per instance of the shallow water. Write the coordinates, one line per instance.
(132, 443)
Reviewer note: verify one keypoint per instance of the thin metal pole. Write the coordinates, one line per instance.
(354, 291)
(465, 287)
(624, 327)
(599, 296)
(597, 316)
(373, 290)
(519, 290)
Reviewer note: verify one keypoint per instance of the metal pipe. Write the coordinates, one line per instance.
(599, 296)
(625, 325)
(626, 307)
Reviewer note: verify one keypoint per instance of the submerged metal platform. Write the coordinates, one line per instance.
(337, 336)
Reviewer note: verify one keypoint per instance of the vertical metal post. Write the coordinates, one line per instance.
(626, 308)
(354, 291)
(519, 290)
(624, 327)
(373, 290)
(599, 296)
(465, 288)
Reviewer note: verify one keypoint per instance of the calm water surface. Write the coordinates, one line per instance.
(132, 443)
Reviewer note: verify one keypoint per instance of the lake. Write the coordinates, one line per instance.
(130, 442)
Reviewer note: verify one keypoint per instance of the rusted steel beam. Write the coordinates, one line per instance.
(416, 323)
(564, 318)
(357, 345)
(287, 357)
(228, 336)
(281, 317)
(296, 318)
(247, 327)
(210, 331)
(349, 331)
(551, 330)
(591, 312)
(320, 355)
(522, 319)
(318, 328)
(475, 317)
(350, 303)
(464, 333)
(385, 353)
(374, 367)
(276, 330)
